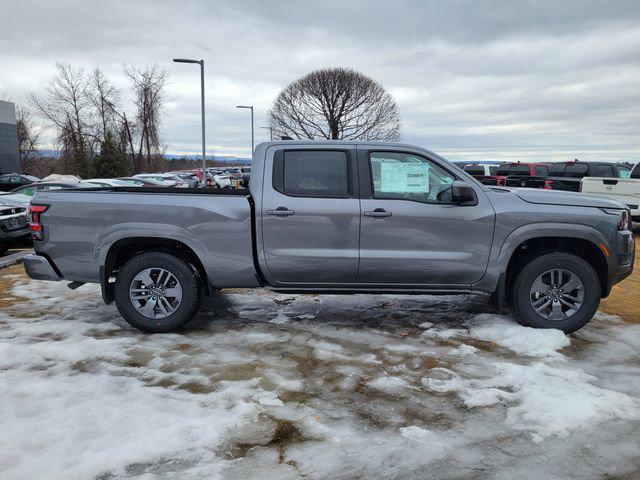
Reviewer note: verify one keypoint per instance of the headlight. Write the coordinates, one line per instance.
(624, 222)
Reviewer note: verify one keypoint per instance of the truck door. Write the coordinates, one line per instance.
(310, 214)
(411, 232)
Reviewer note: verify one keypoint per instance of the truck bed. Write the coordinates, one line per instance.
(80, 227)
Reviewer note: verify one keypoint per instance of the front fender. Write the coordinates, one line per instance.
(502, 250)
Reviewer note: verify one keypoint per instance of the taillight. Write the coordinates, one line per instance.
(34, 225)
(548, 184)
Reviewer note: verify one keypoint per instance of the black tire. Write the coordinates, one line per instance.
(3, 248)
(524, 311)
(187, 275)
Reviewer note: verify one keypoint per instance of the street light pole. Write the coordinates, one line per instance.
(204, 155)
(270, 132)
(250, 107)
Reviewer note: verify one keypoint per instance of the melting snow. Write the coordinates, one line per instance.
(268, 386)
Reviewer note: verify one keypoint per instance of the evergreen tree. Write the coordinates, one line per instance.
(112, 161)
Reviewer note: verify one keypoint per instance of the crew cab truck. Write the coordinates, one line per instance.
(336, 217)
(568, 175)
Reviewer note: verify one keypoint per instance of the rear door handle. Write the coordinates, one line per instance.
(280, 212)
(378, 213)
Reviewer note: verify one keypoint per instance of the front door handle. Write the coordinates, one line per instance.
(378, 213)
(280, 212)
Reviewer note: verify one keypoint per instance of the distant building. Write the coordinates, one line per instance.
(9, 156)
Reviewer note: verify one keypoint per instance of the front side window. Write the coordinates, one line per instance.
(493, 169)
(404, 176)
(557, 169)
(312, 173)
(624, 172)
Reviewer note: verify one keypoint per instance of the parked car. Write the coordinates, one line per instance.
(499, 175)
(106, 182)
(13, 224)
(337, 216)
(189, 178)
(141, 182)
(11, 181)
(481, 169)
(220, 178)
(167, 179)
(567, 175)
(30, 190)
(623, 190)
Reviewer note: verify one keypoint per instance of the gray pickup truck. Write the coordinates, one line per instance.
(336, 217)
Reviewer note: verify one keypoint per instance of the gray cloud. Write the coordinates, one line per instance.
(500, 79)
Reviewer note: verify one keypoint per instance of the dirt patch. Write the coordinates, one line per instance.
(8, 278)
(624, 300)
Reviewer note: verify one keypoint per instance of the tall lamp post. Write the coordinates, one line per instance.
(204, 155)
(250, 107)
(270, 132)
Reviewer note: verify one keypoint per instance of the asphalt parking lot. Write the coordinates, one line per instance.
(301, 386)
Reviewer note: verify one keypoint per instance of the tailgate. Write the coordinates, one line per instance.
(523, 181)
(623, 190)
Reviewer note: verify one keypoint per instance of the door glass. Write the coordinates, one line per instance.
(624, 172)
(30, 191)
(314, 173)
(404, 176)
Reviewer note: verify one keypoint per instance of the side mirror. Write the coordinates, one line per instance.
(463, 194)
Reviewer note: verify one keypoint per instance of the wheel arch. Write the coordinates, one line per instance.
(122, 250)
(533, 247)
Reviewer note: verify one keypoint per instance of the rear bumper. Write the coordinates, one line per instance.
(39, 268)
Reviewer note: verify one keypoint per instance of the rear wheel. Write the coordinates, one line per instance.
(556, 290)
(3, 248)
(158, 292)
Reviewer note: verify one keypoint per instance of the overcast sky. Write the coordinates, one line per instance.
(473, 79)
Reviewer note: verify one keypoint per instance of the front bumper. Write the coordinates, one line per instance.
(13, 227)
(624, 259)
(39, 268)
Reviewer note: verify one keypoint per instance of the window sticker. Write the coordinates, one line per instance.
(404, 177)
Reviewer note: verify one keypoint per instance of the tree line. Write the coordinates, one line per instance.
(98, 134)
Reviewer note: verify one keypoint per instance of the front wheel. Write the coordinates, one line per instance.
(158, 292)
(556, 290)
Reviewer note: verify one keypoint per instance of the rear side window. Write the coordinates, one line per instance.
(520, 170)
(557, 169)
(504, 170)
(603, 171)
(312, 173)
(541, 171)
(576, 170)
(493, 170)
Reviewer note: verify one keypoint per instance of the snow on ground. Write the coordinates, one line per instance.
(266, 386)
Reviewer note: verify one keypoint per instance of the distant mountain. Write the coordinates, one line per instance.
(195, 158)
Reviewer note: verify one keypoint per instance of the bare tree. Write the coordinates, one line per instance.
(148, 86)
(28, 136)
(66, 104)
(334, 104)
(105, 98)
